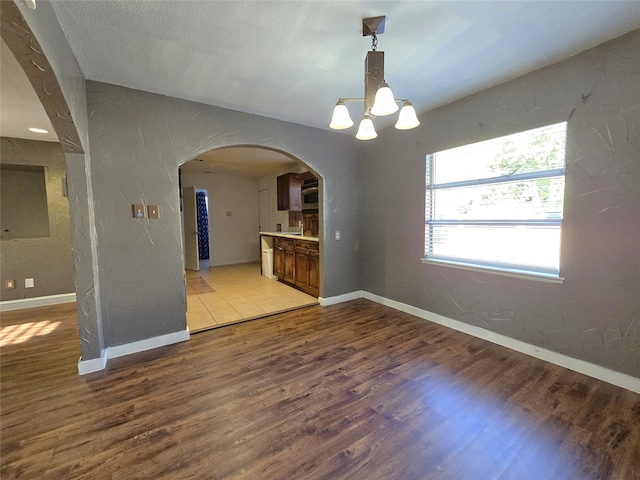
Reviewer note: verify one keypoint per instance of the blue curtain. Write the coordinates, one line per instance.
(203, 225)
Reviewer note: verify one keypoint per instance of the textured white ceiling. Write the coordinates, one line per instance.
(291, 60)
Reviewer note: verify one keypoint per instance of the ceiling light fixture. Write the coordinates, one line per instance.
(378, 97)
(38, 130)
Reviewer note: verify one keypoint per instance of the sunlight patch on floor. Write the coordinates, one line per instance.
(23, 332)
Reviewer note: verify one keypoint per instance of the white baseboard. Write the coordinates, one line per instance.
(93, 365)
(325, 302)
(592, 370)
(37, 301)
(97, 364)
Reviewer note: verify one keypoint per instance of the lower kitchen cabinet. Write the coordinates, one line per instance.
(314, 273)
(284, 259)
(307, 267)
(289, 266)
(297, 262)
(278, 258)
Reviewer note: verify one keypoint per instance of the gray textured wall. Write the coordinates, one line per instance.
(47, 260)
(67, 92)
(595, 314)
(137, 142)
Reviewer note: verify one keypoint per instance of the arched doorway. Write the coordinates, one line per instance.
(230, 286)
(68, 122)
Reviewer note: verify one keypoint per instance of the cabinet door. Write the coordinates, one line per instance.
(278, 258)
(307, 267)
(315, 226)
(314, 273)
(302, 268)
(310, 224)
(289, 192)
(289, 266)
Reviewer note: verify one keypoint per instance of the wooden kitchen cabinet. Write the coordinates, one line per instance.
(314, 273)
(307, 263)
(297, 262)
(289, 192)
(284, 259)
(310, 225)
(278, 257)
(289, 265)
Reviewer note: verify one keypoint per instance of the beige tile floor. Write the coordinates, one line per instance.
(218, 296)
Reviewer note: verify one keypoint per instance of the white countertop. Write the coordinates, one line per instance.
(289, 235)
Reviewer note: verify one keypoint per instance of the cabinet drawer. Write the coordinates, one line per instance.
(304, 245)
(283, 243)
(287, 244)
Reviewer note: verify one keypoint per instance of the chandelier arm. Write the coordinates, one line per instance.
(356, 99)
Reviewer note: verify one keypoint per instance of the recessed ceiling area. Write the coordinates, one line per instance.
(245, 161)
(20, 107)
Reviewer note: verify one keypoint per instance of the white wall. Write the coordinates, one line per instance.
(232, 239)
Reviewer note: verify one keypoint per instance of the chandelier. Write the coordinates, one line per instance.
(378, 97)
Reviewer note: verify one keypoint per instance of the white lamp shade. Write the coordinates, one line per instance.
(341, 118)
(407, 118)
(384, 103)
(366, 131)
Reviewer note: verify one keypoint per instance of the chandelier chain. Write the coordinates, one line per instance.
(374, 42)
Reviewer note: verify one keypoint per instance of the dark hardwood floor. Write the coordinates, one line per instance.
(352, 391)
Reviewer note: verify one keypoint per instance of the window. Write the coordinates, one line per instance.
(498, 204)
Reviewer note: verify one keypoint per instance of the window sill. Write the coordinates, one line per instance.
(540, 277)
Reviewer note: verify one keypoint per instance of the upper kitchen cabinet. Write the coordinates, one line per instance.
(289, 192)
(310, 225)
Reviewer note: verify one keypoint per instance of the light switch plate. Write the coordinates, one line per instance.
(138, 210)
(153, 211)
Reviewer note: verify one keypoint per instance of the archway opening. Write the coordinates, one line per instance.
(237, 283)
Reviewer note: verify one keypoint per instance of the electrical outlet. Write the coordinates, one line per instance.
(10, 284)
(337, 234)
(28, 283)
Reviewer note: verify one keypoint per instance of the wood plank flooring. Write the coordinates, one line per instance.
(351, 391)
